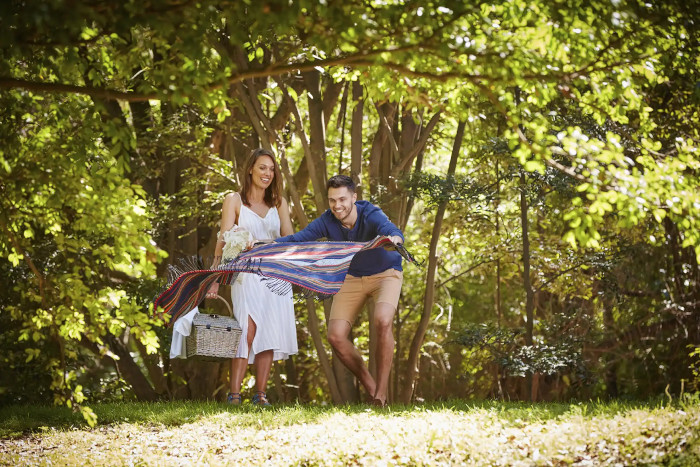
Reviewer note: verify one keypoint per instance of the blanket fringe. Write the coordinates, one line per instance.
(183, 265)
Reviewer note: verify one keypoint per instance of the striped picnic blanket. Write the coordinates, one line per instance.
(318, 268)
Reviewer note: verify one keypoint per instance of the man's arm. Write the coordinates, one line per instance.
(385, 227)
(315, 230)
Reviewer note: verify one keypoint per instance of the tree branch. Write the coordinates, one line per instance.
(12, 83)
(558, 275)
(466, 271)
(387, 128)
(425, 134)
(18, 248)
(299, 130)
(258, 124)
(359, 60)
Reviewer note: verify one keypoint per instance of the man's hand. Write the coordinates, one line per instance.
(396, 240)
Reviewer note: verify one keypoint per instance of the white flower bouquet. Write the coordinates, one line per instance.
(236, 240)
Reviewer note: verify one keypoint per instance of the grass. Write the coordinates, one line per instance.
(16, 421)
(454, 432)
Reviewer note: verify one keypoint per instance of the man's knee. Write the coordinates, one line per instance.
(334, 338)
(384, 325)
(384, 317)
(338, 331)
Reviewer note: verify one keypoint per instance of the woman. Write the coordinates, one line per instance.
(266, 318)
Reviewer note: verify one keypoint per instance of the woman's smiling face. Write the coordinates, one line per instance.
(263, 172)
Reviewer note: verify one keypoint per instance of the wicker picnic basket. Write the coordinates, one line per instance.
(214, 337)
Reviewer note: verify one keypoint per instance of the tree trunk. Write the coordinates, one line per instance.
(611, 360)
(169, 187)
(356, 137)
(316, 155)
(280, 392)
(382, 145)
(392, 154)
(410, 195)
(294, 190)
(340, 125)
(529, 294)
(428, 298)
(292, 379)
(155, 372)
(497, 298)
(125, 366)
(345, 380)
(315, 331)
(130, 371)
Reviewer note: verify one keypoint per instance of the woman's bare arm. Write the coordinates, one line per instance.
(285, 219)
(229, 216)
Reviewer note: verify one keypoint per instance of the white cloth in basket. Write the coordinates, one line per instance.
(272, 313)
(181, 329)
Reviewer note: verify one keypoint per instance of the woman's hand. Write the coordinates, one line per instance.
(253, 243)
(213, 290)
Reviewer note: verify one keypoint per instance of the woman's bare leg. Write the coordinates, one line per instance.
(263, 365)
(239, 365)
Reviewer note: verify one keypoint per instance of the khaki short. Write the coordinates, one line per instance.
(384, 287)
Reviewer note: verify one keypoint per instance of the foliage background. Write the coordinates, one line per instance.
(540, 156)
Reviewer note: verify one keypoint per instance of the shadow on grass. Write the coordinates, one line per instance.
(21, 420)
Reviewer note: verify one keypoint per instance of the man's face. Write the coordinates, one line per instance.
(342, 202)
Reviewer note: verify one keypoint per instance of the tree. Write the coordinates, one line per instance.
(608, 96)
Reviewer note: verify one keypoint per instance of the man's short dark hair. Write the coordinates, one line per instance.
(338, 181)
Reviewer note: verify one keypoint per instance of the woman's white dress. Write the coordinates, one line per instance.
(272, 313)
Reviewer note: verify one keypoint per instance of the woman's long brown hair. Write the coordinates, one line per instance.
(272, 192)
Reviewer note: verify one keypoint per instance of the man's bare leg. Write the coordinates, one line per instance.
(338, 333)
(383, 323)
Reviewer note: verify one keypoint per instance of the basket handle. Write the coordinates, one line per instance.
(228, 307)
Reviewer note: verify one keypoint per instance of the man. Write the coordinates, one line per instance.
(374, 273)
